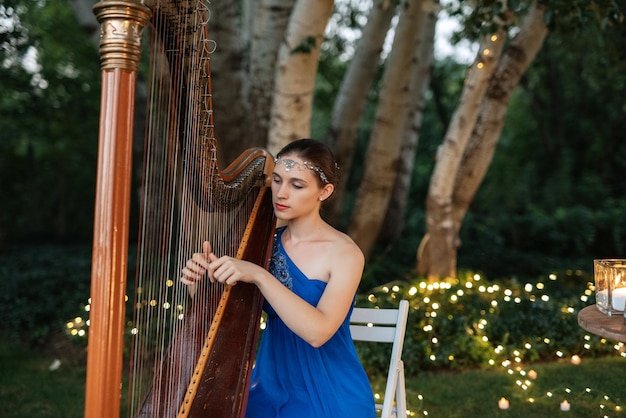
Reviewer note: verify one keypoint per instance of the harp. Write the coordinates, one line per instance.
(190, 357)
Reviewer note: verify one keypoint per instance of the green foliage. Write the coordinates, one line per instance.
(565, 16)
(553, 196)
(50, 85)
(471, 322)
(46, 286)
(576, 15)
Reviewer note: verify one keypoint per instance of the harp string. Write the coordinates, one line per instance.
(185, 200)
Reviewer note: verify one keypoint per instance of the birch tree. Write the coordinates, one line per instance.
(383, 151)
(486, 134)
(271, 18)
(296, 69)
(440, 235)
(420, 79)
(352, 96)
(471, 140)
(228, 73)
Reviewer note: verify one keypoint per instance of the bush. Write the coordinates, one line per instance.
(470, 322)
(46, 286)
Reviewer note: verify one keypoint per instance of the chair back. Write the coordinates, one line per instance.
(386, 326)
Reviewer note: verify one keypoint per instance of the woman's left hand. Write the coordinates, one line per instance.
(230, 271)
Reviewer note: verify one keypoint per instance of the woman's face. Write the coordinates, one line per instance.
(296, 189)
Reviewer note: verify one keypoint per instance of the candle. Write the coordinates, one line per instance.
(565, 406)
(532, 374)
(619, 298)
(576, 359)
(503, 403)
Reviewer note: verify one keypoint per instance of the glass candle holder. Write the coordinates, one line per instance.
(610, 280)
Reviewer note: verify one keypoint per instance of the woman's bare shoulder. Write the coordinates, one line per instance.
(344, 246)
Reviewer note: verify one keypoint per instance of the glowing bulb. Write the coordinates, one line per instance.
(503, 403)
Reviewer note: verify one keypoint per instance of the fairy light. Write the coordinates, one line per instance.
(432, 298)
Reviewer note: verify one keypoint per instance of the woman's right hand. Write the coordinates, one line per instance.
(198, 265)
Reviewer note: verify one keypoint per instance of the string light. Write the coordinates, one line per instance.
(432, 297)
(512, 361)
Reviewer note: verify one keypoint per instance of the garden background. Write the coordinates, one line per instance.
(552, 201)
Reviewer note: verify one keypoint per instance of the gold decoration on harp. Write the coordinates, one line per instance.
(121, 24)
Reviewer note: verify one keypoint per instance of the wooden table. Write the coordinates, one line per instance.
(594, 321)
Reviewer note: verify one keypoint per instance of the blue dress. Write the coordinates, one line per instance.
(292, 379)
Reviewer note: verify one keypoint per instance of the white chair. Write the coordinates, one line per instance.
(387, 326)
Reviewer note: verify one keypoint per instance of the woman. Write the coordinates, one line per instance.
(306, 365)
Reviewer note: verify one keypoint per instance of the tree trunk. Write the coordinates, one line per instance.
(479, 153)
(352, 96)
(227, 75)
(270, 23)
(298, 60)
(383, 153)
(437, 258)
(420, 79)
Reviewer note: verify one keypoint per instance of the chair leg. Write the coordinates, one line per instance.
(401, 393)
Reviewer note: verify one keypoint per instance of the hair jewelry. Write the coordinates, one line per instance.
(289, 164)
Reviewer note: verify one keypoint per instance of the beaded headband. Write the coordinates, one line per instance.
(289, 164)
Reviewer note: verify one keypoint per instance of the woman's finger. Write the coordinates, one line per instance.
(187, 281)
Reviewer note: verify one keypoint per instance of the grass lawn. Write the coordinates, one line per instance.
(595, 388)
(28, 388)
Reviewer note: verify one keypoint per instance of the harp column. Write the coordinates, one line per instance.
(120, 49)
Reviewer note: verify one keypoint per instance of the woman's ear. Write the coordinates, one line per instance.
(326, 192)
